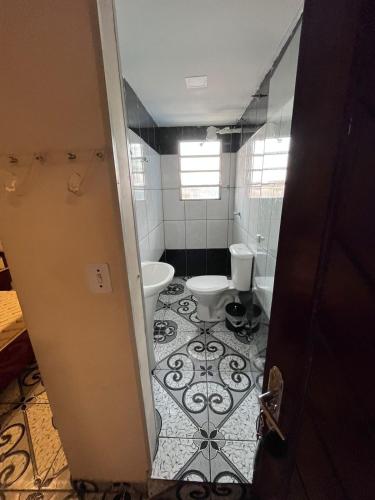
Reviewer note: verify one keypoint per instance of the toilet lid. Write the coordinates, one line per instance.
(207, 284)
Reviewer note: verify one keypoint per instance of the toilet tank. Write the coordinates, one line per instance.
(242, 261)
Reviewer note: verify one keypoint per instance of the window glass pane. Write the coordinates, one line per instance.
(276, 176)
(280, 145)
(199, 178)
(200, 193)
(257, 162)
(200, 163)
(135, 150)
(200, 148)
(138, 179)
(137, 165)
(256, 177)
(275, 161)
(258, 146)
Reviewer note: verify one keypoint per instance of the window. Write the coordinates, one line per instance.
(200, 170)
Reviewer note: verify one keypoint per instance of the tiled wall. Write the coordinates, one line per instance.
(260, 175)
(147, 196)
(198, 232)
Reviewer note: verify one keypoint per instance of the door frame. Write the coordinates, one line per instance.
(321, 117)
(118, 124)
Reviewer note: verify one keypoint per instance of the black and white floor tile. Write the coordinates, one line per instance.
(205, 384)
(33, 465)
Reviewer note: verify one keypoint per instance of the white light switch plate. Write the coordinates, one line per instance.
(99, 279)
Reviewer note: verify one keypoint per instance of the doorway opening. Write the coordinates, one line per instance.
(208, 158)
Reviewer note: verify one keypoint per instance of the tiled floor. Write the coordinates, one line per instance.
(205, 388)
(32, 461)
(206, 383)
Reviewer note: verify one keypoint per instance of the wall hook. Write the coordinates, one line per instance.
(72, 156)
(13, 159)
(39, 157)
(74, 183)
(11, 184)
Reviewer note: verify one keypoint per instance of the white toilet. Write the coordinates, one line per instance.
(214, 292)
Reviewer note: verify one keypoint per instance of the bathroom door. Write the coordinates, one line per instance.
(322, 328)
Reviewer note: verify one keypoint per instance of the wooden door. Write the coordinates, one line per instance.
(322, 331)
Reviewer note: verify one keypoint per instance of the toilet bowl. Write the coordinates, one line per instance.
(213, 293)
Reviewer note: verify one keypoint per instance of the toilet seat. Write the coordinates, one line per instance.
(208, 284)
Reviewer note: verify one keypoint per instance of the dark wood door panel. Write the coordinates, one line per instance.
(314, 466)
(354, 225)
(322, 329)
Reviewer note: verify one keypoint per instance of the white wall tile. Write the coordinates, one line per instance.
(233, 162)
(154, 206)
(144, 249)
(170, 171)
(252, 227)
(148, 201)
(196, 233)
(236, 232)
(218, 209)
(225, 169)
(174, 208)
(231, 203)
(140, 213)
(230, 232)
(270, 266)
(245, 210)
(156, 242)
(196, 209)
(152, 170)
(174, 232)
(217, 234)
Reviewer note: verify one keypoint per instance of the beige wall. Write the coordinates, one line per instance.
(52, 98)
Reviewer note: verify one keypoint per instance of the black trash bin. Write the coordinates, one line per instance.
(235, 316)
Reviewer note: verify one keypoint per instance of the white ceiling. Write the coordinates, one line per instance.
(233, 42)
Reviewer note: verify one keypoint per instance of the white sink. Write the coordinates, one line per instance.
(155, 276)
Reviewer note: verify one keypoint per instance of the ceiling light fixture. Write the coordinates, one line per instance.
(196, 82)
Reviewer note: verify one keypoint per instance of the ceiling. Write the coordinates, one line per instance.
(233, 42)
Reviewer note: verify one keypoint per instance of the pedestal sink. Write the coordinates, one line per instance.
(155, 276)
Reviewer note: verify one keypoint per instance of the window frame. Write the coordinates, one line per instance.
(180, 171)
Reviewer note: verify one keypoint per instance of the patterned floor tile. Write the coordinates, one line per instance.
(16, 467)
(187, 308)
(205, 389)
(239, 424)
(248, 350)
(190, 356)
(221, 356)
(188, 389)
(174, 421)
(174, 291)
(182, 459)
(44, 436)
(226, 391)
(234, 462)
(41, 495)
(171, 331)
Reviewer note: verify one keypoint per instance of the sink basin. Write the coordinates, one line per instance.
(155, 276)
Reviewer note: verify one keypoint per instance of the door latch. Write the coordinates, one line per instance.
(270, 401)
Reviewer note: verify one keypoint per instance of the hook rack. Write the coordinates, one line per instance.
(11, 163)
